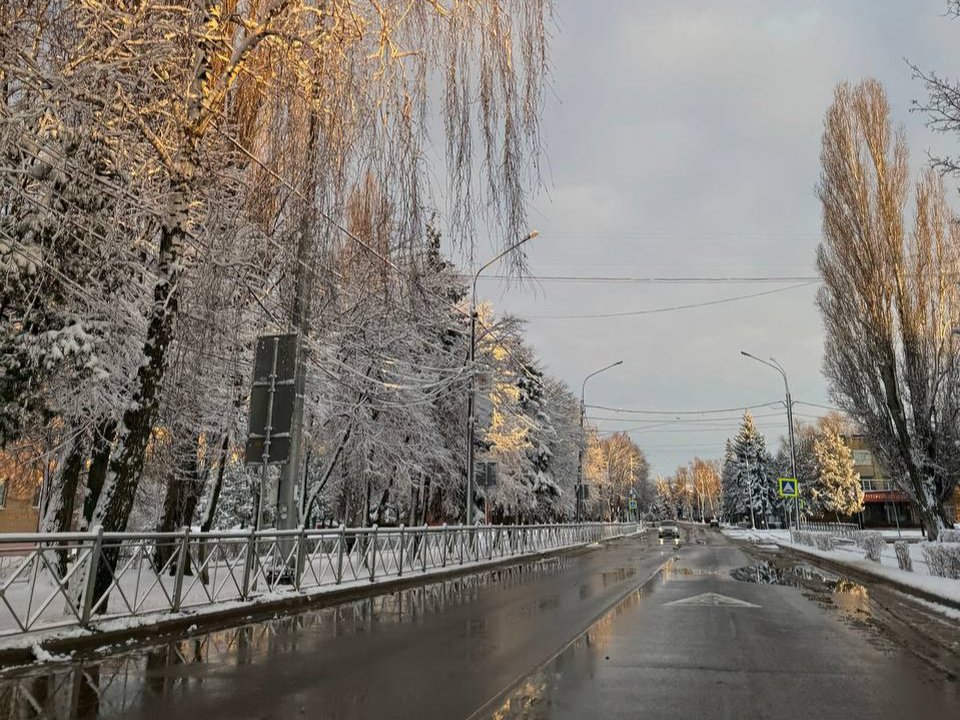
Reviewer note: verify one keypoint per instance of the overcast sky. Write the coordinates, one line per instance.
(683, 140)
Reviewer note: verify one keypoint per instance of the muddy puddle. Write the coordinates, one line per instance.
(802, 575)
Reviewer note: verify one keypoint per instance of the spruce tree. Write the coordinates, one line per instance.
(753, 470)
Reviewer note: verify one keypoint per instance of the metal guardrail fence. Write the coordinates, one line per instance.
(841, 529)
(49, 580)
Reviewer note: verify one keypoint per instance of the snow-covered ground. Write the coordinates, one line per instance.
(849, 554)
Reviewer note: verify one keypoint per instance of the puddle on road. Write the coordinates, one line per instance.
(803, 576)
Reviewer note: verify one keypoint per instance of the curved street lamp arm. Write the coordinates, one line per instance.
(530, 236)
(583, 387)
(782, 372)
(775, 365)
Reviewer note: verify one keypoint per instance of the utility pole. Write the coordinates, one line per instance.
(287, 507)
(793, 451)
(471, 396)
(583, 409)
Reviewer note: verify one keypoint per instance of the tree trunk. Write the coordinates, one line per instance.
(60, 497)
(63, 490)
(315, 493)
(180, 501)
(126, 465)
(414, 505)
(366, 506)
(384, 496)
(932, 515)
(211, 512)
(103, 438)
(425, 502)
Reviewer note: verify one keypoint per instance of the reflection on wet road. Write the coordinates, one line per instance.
(721, 635)
(440, 650)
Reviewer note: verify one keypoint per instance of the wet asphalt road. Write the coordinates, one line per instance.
(435, 652)
(819, 650)
(564, 638)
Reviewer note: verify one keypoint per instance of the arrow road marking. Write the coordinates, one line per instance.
(710, 600)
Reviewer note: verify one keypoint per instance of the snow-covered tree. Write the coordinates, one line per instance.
(663, 505)
(616, 469)
(153, 223)
(839, 490)
(750, 472)
(888, 303)
(731, 493)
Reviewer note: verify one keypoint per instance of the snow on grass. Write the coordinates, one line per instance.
(847, 553)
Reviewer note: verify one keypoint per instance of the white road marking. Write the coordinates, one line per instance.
(710, 600)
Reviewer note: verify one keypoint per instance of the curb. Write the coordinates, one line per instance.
(186, 625)
(862, 575)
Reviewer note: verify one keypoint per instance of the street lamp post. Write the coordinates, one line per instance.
(471, 420)
(583, 389)
(793, 451)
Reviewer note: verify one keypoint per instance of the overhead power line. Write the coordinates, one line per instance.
(823, 407)
(679, 280)
(739, 408)
(686, 421)
(652, 311)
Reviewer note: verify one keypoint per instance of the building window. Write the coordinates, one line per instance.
(862, 457)
(3, 494)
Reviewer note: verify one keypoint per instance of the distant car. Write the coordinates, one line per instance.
(714, 522)
(669, 529)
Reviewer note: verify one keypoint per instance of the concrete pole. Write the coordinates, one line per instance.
(793, 452)
(583, 407)
(471, 396)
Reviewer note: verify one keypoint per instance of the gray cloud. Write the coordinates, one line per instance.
(684, 140)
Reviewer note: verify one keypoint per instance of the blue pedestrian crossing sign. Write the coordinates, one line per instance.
(789, 487)
(633, 504)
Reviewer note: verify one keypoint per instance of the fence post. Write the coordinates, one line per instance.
(461, 534)
(248, 563)
(425, 546)
(91, 580)
(400, 568)
(299, 566)
(492, 535)
(340, 545)
(445, 540)
(373, 555)
(181, 568)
